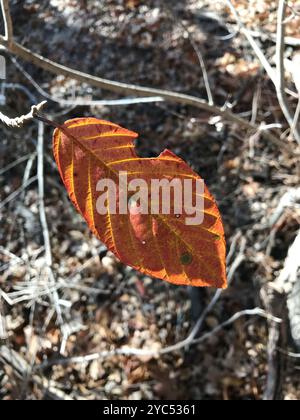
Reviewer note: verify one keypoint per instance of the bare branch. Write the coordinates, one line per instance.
(20, 121)
(131, 89)
(119, 87)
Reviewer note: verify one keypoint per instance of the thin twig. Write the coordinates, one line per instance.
(236, 263)
(296, 120)
(274, 296)
(41, 193)
(43, 220)
(264, 36)
(75, 101)
(131, 89)
(289, 353)
(156, 353)
(275, 304)
(18, 191)
(18, 86)
(280, 83)
(119, 87)
(21, 367)
(260, 55)
(8, 27)
(20, 121)
(15, 163)
(3, 329)
(198, 53)
(277, 77)
(191, 338)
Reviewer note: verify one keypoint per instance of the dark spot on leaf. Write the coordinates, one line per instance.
(186, 258)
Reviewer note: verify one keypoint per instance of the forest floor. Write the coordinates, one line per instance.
(103, 305)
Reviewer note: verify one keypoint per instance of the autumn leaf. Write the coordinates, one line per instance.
(88, 150)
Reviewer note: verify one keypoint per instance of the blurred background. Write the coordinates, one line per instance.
(59, 330)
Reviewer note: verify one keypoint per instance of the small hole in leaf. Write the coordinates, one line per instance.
(177, 216)
(144, 242)
(186, 258)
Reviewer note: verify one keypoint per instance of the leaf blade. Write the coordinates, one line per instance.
(87, 150)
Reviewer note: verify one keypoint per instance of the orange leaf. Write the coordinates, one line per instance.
(88, 150)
